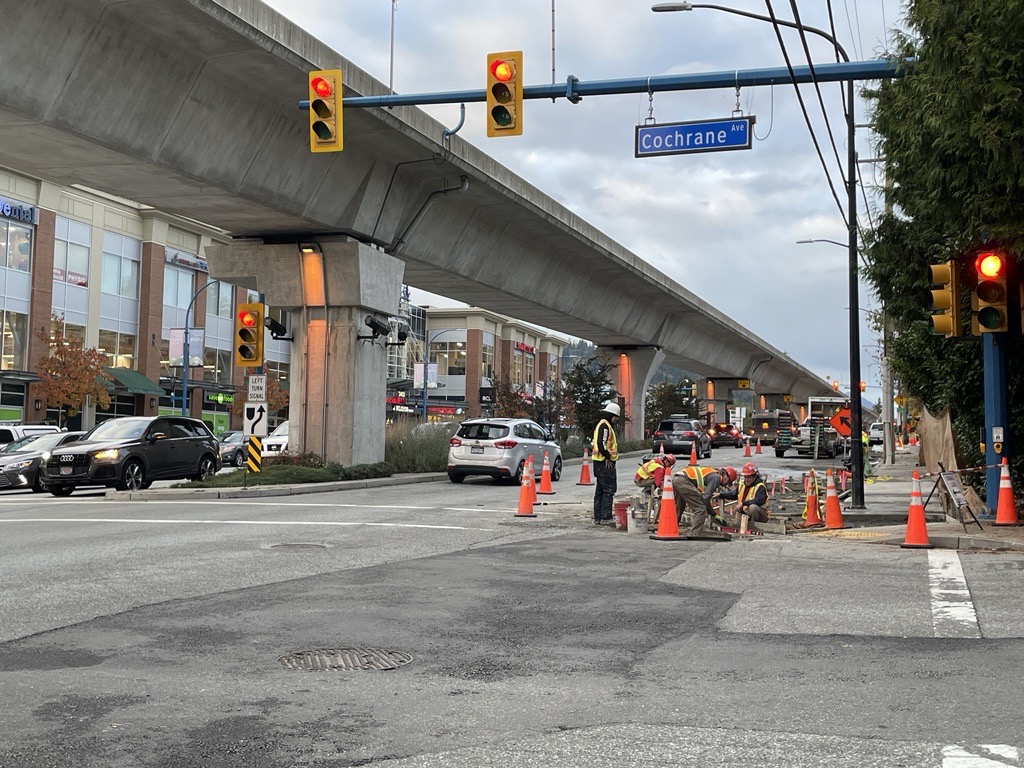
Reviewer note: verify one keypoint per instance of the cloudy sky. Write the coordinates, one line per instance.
(724, 224)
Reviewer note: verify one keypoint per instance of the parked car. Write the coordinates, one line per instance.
(499, 448)
(232, 448)
(876, 433)
(678, 434)
(131, 452)
(725, 434)
(20, 461)
(9, 433)
(277, 442)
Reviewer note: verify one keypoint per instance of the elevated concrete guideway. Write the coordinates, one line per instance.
(190, 106)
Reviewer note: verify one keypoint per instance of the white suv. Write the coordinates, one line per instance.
(277, 442)
(11, 432)
(499, 448)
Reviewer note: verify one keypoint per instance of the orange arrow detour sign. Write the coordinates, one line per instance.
(840, 422)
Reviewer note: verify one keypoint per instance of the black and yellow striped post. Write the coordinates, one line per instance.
(254, 454)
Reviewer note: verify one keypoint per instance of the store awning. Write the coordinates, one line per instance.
(125, 379)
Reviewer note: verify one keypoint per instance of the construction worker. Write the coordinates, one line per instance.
(604, 452)
(751, 496)
(693, 488)
(651, 475)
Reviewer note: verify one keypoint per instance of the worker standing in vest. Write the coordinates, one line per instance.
(693, 488)
(604, 452)
(751, 496)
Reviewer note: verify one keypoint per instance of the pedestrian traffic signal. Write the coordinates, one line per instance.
(325, 134)
(945, 302)
(505, 94)
(989, 298)
(249, 335)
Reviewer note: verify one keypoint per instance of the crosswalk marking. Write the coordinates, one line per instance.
(953, 613)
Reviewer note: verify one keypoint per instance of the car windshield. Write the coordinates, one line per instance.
(36, 443)
(483, 431)
(231, 437)
(119, 429)
(281, 431)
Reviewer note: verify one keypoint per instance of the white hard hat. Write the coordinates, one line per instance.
(612, 408)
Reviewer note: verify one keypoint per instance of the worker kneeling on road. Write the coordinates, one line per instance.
(651, 474)
(751, 496)
(693, 488)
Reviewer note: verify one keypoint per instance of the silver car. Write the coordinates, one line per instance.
(500, 448)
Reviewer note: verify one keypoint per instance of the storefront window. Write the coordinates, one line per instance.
(14, 342)
(71, 252)
(15, 246)
(450, 357)
(220, 300)
(487, 358)
(119, 348)
(70, 330)
(217, 366)
(517, 366)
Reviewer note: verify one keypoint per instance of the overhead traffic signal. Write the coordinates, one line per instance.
(945, 302)
(249, 335)
(325, 134)
(505, 94)
(989, 298)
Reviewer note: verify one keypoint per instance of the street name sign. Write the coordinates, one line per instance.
(694, 136)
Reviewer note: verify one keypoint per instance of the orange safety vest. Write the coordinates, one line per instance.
(748, 491)
(613, 445)
(649, 469)
(697, 474)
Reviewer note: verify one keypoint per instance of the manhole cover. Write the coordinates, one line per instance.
(344, 658)
(297, 546)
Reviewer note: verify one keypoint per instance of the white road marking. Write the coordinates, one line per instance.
(239, 522)
(953, 613)
(957, 757)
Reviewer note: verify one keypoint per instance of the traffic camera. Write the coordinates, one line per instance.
(945, 302)
(325, 125)
(504, 94)
(989, 298)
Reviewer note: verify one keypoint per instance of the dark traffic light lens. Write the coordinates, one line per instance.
(501, 93)
(991, 291)
(990, 317)
(322, 130)
(501, 116)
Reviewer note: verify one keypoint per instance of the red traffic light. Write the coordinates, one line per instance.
(321, 87)
(990, 264)
(247, 319)
(502, 70)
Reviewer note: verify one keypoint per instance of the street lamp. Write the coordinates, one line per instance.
(856, 417)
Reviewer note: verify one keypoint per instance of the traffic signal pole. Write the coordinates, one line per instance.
(993, 347)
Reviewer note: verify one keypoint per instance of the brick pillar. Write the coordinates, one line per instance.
(197, 320)
(151, 307)
(40, 306)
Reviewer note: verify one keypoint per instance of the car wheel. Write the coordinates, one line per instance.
(207, 468)
(556, 469)
(39, 484)
(61, 490)
(132, 476)
(455, 477)
(239, 459)
(517, 478)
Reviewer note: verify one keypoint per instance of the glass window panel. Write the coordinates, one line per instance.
(79, 233)
(108, 346)
(60, 260)
(110, 277)
(129, 279)
(78, 264)
(184, 289)
(19, 243)
(125, 350)
(225, 300)
(112, 242)
(170, 285)
(61, 228)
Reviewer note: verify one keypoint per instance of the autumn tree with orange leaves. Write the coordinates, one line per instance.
(277, 398)
(70, 374)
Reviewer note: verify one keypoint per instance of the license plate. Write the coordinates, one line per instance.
(476, 449)
(66, 470)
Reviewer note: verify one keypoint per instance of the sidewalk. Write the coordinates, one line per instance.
(887, 494)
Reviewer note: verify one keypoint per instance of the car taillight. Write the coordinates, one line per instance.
(658, 433)
(711, 433)
(455, 442)
(505, 444)
(689, 434)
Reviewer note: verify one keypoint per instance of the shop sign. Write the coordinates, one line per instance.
(219, 397)
(19, 211)
(188, 260)
(393, 400)
(525, 347)
(486, 395)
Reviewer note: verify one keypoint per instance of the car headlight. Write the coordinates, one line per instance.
(18, 465)
(109, 454)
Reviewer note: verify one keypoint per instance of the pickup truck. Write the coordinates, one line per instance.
(818, 439)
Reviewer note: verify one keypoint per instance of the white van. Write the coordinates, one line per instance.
(11, 432)
(277, 442)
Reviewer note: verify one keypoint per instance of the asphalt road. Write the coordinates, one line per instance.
(150, 634)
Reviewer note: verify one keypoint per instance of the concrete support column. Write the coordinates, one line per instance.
(631, 376)
(338, 381)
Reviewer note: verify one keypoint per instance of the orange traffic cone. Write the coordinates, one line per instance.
(1006, 511)
(917, 531)
(545, 478)
(668, 526)
(585, 469)
(746, 449)
(525, 508)
(758, 448)
(813, 517)
(533, 480)
(833, 512)
(693, 453)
